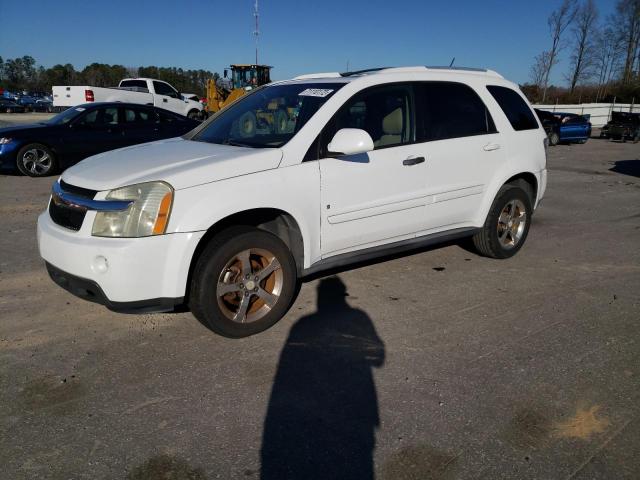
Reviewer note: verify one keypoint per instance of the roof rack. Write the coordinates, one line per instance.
(361, 72)
(398, 70)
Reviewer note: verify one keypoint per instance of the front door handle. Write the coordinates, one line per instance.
(491, 146)
(412, 161)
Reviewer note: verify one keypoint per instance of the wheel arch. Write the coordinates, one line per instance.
(273, 220)
(528, 181)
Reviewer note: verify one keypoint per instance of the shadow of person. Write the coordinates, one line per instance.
(323, 410)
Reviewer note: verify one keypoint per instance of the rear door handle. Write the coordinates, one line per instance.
(491, 146)
(412, 161)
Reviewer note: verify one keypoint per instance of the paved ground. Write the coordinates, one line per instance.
(437, 365)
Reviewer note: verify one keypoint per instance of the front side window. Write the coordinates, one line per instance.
(383, 112)
(138, 116)
(450, 110)
(162, 88)
(99, 117)
(269, 116)
(514, 107)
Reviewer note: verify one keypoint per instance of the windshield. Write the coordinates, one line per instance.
(66, 116)
(268, 116)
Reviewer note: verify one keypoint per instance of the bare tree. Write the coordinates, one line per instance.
(558, 22)
(539, 69)
(608, 53)
(583, 58)
(627, 20)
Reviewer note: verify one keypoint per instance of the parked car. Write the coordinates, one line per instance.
(144, 91)
(41, 149)
(565, 127)
(27, 102)
(43, 105)
(9, 106)
(622, 126)
(295, 178)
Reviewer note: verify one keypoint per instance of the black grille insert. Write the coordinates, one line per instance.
(68, 217)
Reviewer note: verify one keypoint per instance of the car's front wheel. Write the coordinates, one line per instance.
(554, 139)
(243, 282)
(507, 225)
(36, 160)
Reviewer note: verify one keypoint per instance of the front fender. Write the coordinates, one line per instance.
(294, 190)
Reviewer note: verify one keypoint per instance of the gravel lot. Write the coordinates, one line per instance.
(435, 365)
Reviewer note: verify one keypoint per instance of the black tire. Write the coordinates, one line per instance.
(212, 266)
(193, 114)
(554, 139)
(583, 141)
(486, 241)
(204, 115)
(24, 161)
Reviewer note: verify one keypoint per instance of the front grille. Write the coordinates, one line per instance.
(68, 217)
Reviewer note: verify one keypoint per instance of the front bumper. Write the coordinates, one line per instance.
(140, 274)
(8, 155)
(91, 291)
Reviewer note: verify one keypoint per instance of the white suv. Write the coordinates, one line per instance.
(297, 177)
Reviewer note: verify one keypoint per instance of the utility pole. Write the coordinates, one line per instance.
(256, 32)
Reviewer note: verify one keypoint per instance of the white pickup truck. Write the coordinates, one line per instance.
(146, 91)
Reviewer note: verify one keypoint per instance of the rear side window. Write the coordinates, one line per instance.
(450, 110)
(514, 107)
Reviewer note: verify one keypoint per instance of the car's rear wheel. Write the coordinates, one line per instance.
(193, 114)
(507, 225)
(554, 139)
(36, 160)
(243, 282)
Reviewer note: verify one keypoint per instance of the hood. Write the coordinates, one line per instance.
(179, 162)
(18, 129)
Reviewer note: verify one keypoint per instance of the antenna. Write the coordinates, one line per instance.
(256, 32)
(450, 65)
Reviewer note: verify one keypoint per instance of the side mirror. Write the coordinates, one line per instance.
(350, 141)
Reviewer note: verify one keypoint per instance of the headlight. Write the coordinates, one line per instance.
(5, 140)
(147, 215)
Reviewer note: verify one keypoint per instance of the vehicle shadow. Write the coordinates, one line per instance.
(627, 167)
(323, 409)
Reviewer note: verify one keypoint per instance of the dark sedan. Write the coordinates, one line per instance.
(9, 106)
(42, 149)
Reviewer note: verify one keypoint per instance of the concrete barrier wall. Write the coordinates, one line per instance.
(600, 112)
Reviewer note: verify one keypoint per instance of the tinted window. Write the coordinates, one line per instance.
(134, 115)
(99, 117)
(162, 88)
(450, 110)
(169, 118)
(383, 112)
(134, 83)
(514, 107)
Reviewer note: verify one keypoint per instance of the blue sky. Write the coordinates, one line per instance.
(297, 36)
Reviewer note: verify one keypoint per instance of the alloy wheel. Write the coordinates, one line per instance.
(512, 222)
(249, 285)
(37, 161)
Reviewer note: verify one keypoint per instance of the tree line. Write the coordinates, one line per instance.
(20, 74)
(604, 55)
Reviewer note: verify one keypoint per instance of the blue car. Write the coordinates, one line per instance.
(565, 127)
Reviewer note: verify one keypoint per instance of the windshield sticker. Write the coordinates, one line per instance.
(80, 109)
(315, 92)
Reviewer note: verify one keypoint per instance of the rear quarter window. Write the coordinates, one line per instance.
(514, 107)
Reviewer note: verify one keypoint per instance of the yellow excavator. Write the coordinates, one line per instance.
(226, 90)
